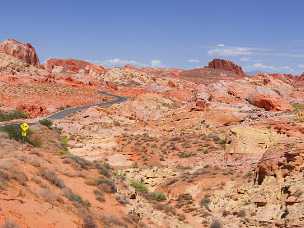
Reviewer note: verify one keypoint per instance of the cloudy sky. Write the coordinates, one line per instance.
(259, 35)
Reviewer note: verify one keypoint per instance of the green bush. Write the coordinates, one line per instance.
(46, 122)
(64, 144)
(158, 196)
(12, 115)
(139, 186)
(75, 198)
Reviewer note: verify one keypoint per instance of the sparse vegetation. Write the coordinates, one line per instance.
(12, 115)
(298, 107)
(99, 195)
(185, 154)
(158, 196)
(205, 202)
(64, 144)
(13, 132)
(52, 178)
(107, 185)
(104, 169)
(139, 186)
(79, 162)
(69, 194)
(46, 122)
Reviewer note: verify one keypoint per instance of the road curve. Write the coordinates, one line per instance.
(69, 111)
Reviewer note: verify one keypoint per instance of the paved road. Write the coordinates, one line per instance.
(69, 111)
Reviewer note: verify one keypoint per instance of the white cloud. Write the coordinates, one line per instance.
(155, 63)
(231, 51)
(263, 66)
(220, 45)
(271, 67)
(301, 65)
(119, 62)
(193, 61)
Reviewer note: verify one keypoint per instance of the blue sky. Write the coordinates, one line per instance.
(260, 35)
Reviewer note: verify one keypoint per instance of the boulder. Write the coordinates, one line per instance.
(25, 52)
(269, 100)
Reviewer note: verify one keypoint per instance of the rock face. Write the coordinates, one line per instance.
(269, 100)
(73, 66)
(226, 65)
(75, 70)
(25, 52)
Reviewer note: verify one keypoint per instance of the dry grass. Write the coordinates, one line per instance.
(51, 177)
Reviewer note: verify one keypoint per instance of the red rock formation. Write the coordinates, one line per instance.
(269, 100)
(74, 66)
(25, 52)
(226, 65)
(68, 65)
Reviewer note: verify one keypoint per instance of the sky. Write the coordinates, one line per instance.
(260, 35)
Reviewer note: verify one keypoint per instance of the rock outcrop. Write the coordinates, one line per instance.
(226, 65)
(73, 66)
(269, 100)
(25, 52)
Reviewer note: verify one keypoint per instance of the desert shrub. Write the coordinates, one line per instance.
(216, 224)
(18, 176)
(48, 196)
(52, 178)
(99, 195)
(82, 163)
(13, 132)
(46, 122)
(205, 202)
(122, 199)
(106, 185)
(139, 186)
(69, 194)
(158, 196)
(185, 154)
(104, 169)
(64, 144)
(6, 116)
